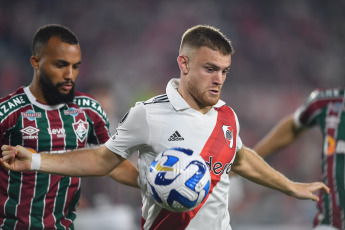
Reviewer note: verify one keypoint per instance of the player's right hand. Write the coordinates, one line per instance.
(16, 158)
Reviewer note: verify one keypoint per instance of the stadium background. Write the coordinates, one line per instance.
(284, 49)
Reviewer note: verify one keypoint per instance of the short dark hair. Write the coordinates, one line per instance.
(204, 35)
(44, 33)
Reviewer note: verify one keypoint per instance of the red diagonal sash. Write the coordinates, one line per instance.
(218, 154)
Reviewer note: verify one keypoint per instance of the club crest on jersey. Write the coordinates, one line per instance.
(73, 111)
(81, 129)
(228, 135)
(31, 115)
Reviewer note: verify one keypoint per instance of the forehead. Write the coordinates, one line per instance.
(205, 55)
(56, 49)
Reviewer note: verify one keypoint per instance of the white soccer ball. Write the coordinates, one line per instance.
(179, 180)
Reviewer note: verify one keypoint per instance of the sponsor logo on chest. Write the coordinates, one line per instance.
(59, 132)
(73, 111)
(218, 167)
(31, 115)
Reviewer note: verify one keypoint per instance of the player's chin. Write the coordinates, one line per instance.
(212, 100)
(65, 91)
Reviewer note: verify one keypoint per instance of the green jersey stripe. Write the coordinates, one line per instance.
(42, 200)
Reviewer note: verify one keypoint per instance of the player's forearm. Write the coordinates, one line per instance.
(126, 174)
(73, 163)
(84, 162)
(254, 168)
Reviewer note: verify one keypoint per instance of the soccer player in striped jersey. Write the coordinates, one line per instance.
(324, 108)
(190, 115)
(50, 116)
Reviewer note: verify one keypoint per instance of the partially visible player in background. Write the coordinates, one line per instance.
(50, 115)
(190, 115)
(324, 108)
(95, 187)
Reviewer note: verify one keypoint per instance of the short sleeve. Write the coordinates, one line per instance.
(303, 116)
(131, 134)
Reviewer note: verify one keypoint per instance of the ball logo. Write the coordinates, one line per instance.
(179, 180)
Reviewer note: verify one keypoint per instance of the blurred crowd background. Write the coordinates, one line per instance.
(284, 49)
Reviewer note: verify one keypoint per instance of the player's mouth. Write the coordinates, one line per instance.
(67, 87)
(214, 92)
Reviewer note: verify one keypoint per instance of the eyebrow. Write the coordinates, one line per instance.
(217, 67)
(68, 63)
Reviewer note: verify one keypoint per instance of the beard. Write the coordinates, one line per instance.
(51, 92)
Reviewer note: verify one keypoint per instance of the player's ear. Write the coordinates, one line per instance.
(182, 61)
(34, 62)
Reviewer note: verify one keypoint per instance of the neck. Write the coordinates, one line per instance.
(192, 102)
(37, 91)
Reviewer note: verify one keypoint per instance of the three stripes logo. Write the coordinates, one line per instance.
(176, 136)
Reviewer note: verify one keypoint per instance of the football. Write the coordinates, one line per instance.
(179, 179)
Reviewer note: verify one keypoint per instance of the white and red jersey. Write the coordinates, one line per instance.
(167, 121)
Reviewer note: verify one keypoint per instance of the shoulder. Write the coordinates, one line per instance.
(16, 93)
(154, 104)
(85, 100)
(317, 101)
(163, 98)
(13, 102)
(140, 110)
(227, 109)
(88, 103)
(325, 94)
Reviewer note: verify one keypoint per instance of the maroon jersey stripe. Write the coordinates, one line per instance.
(48, 217)
(55, 130)
(75, 184)
(28, 178)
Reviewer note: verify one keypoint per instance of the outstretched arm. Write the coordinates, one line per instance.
(85, 162)
(126, 174)
(252, 167)
(280, 136)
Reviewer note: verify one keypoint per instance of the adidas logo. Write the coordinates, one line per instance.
(176, 137)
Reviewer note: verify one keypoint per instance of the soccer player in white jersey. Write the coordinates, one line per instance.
(190, 115)
(50, 115)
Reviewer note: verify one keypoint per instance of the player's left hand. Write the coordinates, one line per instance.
(306, 190)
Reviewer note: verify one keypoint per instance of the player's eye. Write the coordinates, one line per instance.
(76, 66)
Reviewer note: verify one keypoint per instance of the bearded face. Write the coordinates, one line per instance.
(52, 93)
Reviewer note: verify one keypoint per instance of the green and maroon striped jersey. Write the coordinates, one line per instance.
(33, 200)
(326, 109)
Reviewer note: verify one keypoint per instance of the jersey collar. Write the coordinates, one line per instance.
(177, 100)
(34, 101)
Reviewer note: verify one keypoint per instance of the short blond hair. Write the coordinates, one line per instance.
(204, 35)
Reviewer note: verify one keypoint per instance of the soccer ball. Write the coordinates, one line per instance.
(179, 180)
